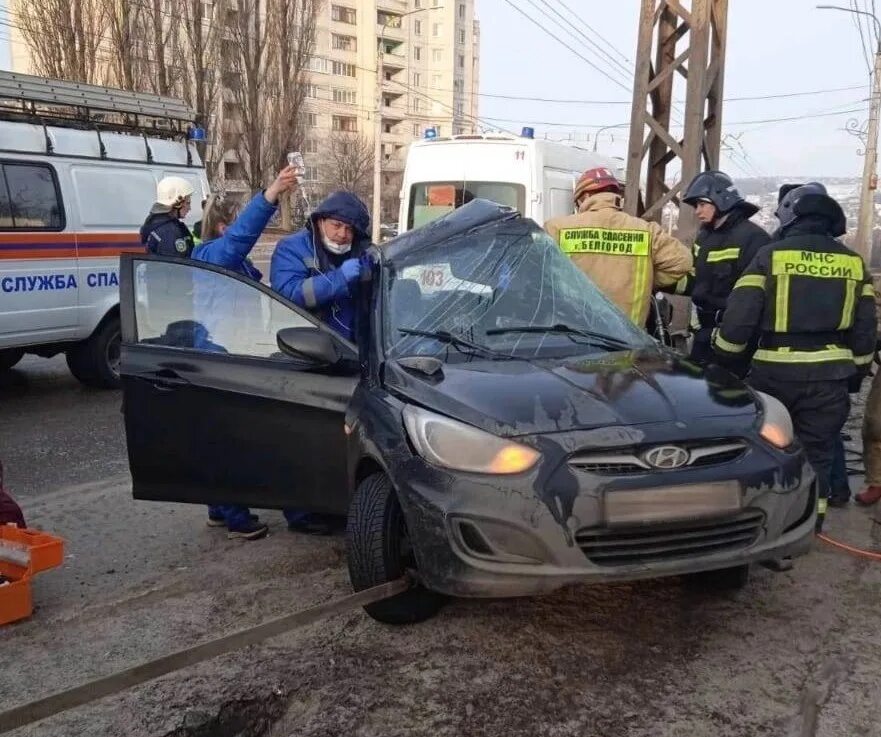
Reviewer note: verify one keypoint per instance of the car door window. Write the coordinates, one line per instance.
(34, 201)
(185, 306)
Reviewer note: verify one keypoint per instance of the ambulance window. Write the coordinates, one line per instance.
(34, 203)
(5, 206)
(431, 200)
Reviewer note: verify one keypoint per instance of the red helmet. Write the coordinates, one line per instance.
(594, 181)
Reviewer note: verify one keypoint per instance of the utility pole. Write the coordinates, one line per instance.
(377, 123)
(702, 30)
(866, 221)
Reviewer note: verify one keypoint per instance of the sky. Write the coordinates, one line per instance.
(774, 47)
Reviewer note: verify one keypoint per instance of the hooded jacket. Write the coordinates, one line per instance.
(307, 274)
(165, 234)
(625, 256)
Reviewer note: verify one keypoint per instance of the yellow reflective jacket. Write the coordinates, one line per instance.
(626, 257)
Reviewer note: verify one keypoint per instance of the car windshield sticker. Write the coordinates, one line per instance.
(433, 278)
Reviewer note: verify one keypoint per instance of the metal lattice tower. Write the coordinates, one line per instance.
(699, 33)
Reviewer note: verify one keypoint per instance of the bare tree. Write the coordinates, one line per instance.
(197, 61)
(347, 163)
(128, 30)
(64, 37)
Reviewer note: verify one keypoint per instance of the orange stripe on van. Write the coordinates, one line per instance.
(41, 246)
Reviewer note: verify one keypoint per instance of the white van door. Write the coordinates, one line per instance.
(38, 285)
(559, 191)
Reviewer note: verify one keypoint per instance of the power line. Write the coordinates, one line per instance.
(561, 41)
(591, 28)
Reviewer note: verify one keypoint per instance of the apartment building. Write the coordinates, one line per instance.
(430, 79)
(430, 58)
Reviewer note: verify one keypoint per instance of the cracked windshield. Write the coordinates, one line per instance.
(499, 292)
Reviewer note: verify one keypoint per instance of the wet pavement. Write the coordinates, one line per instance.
(795, 654)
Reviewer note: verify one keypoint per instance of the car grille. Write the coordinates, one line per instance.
(630, 461)
(617, 547)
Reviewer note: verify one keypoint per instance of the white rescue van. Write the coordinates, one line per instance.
(79, 166)
(535, 177)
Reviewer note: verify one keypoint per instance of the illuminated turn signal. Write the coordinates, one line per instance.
(776, 435)
(513, 459)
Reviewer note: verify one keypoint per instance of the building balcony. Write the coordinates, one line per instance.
(394, 61)
(392, 6)
(398, 138)
(394, 112)
(393, 164)
(392, 31)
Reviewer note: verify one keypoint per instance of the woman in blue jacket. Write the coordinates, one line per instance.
(227, 241)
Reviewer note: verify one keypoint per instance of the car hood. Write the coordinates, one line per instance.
(520, 397)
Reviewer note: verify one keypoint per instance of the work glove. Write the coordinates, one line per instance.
(351, 269)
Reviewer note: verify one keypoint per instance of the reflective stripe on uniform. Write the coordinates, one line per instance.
(682, 284)
(781, 309)
(863, 360)
(750, 280)
(817, 265)
(606, 241)
(822, 505)
(695, 250)
(724, 345)
(309, 293)
(786, 355)
(726, 254)
(850, 298)
(640, 277)
(868, 291)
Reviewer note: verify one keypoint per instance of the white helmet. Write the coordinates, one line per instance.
(172, 191)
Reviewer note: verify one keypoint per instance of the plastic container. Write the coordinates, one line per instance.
(24, 553)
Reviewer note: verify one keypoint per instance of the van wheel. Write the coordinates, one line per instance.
(9, 357)
(378, 550)
(95, 362)
(724, 579)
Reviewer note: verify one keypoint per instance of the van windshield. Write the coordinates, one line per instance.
(431, 200)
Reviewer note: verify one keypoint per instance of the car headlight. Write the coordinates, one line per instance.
(776, 424)
(451, 444)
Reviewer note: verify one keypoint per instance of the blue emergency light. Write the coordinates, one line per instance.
(197, 133)
(430, 133)
(527, 132)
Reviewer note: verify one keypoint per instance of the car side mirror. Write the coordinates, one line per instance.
(309, 344)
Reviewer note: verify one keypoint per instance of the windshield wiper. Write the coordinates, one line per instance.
(458, 342)
(597, 338)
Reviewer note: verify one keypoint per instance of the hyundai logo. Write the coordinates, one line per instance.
(666, 457)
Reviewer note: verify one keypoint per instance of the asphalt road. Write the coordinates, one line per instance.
(796, 654)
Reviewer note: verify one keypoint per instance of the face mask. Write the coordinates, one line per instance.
(337, 248)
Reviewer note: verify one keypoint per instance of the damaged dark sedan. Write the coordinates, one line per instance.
(501, 429)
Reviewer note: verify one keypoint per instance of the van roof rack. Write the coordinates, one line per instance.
(86, 105)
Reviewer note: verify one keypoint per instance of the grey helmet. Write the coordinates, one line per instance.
(811, 199)
(718, 188)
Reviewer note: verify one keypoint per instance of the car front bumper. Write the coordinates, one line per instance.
(492, 537)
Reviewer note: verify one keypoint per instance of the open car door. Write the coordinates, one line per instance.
(215, 413)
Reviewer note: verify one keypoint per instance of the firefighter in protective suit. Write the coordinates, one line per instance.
(809, 301)
(725, 244)
(626, 257)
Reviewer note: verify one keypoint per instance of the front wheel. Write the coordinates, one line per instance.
(9, 357)
(95, 362)
(378, 551)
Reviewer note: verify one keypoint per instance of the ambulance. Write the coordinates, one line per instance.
(79, 166)
(533, 176)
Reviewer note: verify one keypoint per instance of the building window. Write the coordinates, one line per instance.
(435, 3)
(344, 43)
(462, 37)
(460, 109)
(436, 29)
(417, 105)
(347, 97)
(312, 120)
(458, 85)
(417, 130)
(461, 10)
(417, 27)
(312, 90)
(461, 62)
(341, 69)
(344, 15)
(436, 81)
(437, 55)
(417, 79)
(317, 64)
(311, 174)
(310, 146)
(417, 4)
(387, 128)
(344, 123)
(417, 53)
